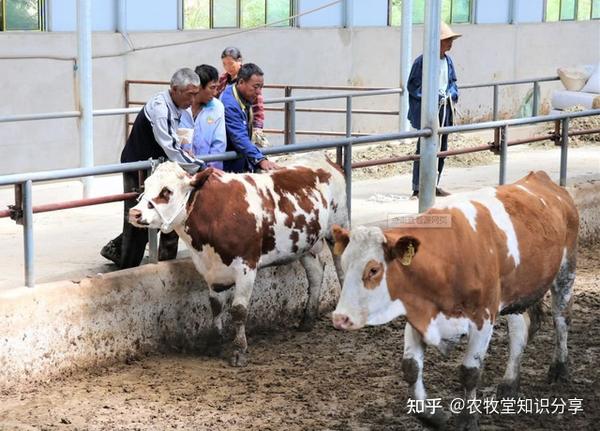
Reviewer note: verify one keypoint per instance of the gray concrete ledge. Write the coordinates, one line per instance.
(61, 326)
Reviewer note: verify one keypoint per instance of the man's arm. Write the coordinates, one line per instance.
(415, 79)
(237, 134)
(452, 87)
(164, 131)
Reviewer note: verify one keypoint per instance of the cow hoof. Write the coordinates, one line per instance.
(558, 373)
(238, 359)
(507, 390)
(436, 421)
(467, 422)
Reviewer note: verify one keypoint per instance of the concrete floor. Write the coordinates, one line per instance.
(67, 243)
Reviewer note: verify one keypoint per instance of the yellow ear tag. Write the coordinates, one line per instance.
(408, 255)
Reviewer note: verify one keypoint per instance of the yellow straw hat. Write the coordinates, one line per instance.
(447, 33)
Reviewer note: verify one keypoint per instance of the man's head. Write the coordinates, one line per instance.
(185, 84)
(250, 81)
(232, 60)
(447, 36)
(209, 81)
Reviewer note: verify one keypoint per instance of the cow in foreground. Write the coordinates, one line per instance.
(504, 249)
(235, 224)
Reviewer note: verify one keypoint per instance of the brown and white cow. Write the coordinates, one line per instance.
(504, 249)
(235, 224)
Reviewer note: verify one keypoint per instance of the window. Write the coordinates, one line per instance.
(453, 11)
(569, 10)
(22, 15)
(201, 14)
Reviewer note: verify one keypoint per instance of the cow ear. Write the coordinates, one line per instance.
(341, 237)
(199, 179)
(403, 249)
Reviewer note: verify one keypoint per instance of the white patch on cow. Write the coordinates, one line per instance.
(479, 340)
(442, 328)
(464, 206)
(543, 202)
(518, 327)
(361, 305)
(487, 198)
(414, 349)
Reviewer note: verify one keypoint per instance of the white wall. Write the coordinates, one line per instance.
(319, 56)
(332, 16)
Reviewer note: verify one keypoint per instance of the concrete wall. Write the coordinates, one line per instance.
(61, 326)
(45, 81)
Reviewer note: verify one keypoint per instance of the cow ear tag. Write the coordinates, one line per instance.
(408, 255)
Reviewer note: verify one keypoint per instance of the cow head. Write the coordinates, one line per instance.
(366, 256)
(166, 193)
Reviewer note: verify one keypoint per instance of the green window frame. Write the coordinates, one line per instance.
(453, 11)
(22, 15)
(571, 10)
(206, 14)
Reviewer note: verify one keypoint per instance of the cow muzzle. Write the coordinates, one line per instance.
(135, 218)
(343, 321)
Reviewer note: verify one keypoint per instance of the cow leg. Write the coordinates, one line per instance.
(470, 371)
(217, 304)
(412, 369)
(314, 273)
(239, 313)
(337, 263)
(518, 328)
(562, 289)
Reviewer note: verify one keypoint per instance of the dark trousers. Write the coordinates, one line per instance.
(415, 176)
(132, 242)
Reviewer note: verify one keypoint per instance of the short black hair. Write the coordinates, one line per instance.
(207, 73)
(247, 70)
(233, 52)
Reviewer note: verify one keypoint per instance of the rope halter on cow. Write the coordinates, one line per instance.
(167, 225)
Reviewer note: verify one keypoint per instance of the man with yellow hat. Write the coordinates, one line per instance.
(448, 96)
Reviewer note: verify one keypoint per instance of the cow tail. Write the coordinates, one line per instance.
(537, 315)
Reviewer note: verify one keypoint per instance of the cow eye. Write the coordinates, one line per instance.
(165, 193)
(373, 271)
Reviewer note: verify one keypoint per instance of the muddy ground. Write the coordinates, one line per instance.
(322, 380)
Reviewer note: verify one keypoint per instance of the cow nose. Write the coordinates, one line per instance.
(341, 321)
(134, 215)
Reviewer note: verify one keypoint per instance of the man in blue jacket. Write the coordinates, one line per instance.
(238, 99)
(448, 96)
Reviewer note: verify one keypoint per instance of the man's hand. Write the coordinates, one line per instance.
(267, 165)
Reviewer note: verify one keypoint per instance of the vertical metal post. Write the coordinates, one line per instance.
(287, 92)
(535, 107)
(338, 150)
(348, 175)
(348, 6)
(495, 112)
(429, 105)
(405, 64)
(292, 129)
(563, 152)
(503, 154)
(84, 72)
(152, 233)
(28, 234)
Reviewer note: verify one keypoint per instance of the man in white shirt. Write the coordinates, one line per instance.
(448, 96)
(206, 117)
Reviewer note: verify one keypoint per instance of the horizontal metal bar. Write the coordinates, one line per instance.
(333, 96)
(516, 82)
(517, 121)
(339, 111)
(115, 111)
(276, 86)
(74, 173)
(77, 203)
(42, 116)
